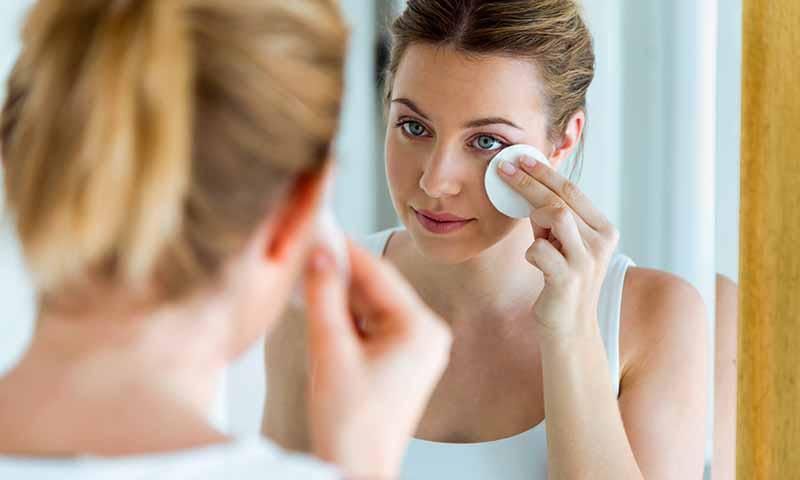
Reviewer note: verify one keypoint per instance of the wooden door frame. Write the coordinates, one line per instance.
(768, 418)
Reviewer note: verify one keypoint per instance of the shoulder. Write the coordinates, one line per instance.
(727, 294)
(662, 316)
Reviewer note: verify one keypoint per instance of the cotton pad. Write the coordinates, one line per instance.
(327, 232)
(502, 196)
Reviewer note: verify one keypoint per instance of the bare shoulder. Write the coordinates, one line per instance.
(662, 314)
(727, 293)
(726, 321)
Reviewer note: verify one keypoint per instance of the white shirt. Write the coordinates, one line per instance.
(251, 458)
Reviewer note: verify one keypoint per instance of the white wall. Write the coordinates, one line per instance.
(602, 174)
(729, 114)
(16, 296)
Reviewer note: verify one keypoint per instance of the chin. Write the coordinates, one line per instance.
(449, 249)
(458, 247)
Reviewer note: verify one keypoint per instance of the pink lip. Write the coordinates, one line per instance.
(432, 223)
(442, 217)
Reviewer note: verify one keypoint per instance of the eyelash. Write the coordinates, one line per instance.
(403, 123)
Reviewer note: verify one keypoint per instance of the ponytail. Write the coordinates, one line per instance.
(101, 143)
(145, 141)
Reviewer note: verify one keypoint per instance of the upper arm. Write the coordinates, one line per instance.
(664, 382)
(285, 418)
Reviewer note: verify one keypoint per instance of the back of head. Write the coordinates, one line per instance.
(550, 33)
(145, 140)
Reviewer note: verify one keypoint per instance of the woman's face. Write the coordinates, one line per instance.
(449, 115)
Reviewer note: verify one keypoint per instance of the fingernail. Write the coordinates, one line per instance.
(321, 261)
(528, 162)
(508, 168)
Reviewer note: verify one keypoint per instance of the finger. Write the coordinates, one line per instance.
(552, 239)
(378, 290)
(561, 222)
(539, 232)
(566, 191)
(544, 256)
(537, 193)
(331, 331)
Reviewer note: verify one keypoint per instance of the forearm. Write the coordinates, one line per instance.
(585, 434)
(285, 417)
(286, 423)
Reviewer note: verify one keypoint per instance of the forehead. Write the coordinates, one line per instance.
(446, 82)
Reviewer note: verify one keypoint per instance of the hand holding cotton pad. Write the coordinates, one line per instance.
(502, 196)
(329, 234)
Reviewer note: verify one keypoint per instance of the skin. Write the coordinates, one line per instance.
(725, 379)
(521, 295)
(88, 369)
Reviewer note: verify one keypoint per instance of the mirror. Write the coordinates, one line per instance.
(660, 161)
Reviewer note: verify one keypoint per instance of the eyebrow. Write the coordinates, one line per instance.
(481, 122)
(413, 106)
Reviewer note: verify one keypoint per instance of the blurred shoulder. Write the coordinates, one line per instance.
(727, 293)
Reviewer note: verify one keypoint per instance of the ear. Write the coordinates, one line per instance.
(265, 275)
(570, 140)
(295, 219)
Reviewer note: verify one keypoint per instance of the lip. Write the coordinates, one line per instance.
(436, 223)
(442, 216)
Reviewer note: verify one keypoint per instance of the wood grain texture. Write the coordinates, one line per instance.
(768, 432)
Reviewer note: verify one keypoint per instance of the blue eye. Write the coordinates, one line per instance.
(487, 143)
(415, 129)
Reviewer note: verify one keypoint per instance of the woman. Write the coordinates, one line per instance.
(548, 322)
(164, 165)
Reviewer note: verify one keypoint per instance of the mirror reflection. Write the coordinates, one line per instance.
(587, 283)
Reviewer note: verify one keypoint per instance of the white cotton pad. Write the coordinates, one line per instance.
(328, 233)
(502, 196)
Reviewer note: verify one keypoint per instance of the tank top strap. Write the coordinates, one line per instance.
(609, 307)
(609, 312)
(376, 243)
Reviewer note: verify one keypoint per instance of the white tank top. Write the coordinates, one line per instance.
(522, 456)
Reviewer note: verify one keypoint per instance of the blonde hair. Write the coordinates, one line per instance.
(550, 33)
(145, 140)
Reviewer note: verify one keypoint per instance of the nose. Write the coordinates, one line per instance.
(441, 175)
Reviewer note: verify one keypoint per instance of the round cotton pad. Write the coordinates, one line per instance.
(502, 196)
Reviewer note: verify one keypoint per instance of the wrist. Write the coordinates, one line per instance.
(562, 341)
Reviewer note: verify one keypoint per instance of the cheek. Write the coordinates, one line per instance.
(493, 223)
(401, 165)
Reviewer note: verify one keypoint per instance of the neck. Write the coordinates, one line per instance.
(115, 385)
(498, 283)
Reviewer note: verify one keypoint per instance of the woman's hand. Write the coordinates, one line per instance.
(368, 390)
(573, 244)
